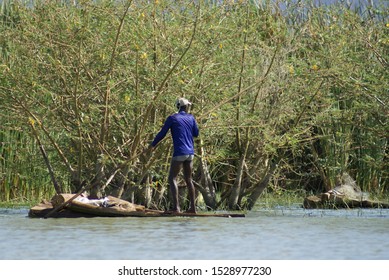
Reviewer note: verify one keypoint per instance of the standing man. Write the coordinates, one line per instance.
(183, 128)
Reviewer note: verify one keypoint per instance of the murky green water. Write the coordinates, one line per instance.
(276, 234)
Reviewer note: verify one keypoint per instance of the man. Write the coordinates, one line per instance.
(183, 128)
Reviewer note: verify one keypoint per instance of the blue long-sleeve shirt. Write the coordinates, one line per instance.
(183, 128)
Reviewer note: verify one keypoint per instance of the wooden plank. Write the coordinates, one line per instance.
(110, 212)
(219, 215)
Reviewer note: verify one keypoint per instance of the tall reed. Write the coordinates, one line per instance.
(285, 97)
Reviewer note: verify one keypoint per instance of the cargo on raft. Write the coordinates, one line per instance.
(74, 206)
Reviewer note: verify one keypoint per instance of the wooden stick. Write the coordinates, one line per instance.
(65, 203)
(159, 213)
(57, 187)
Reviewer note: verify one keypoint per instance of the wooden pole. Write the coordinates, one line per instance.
(57, 187)
(65, 203)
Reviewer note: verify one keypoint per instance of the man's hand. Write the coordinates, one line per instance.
(146, 153)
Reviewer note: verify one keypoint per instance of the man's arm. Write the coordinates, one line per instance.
(195, 128)
(162, 133)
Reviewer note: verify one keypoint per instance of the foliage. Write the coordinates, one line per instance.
(288, 97)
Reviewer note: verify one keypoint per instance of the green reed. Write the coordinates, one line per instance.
(299, 94)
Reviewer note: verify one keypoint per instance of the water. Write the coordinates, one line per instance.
(275, 234)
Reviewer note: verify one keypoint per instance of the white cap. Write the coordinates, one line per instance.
(182, 102)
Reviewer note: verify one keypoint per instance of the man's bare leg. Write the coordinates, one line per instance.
(175, 168)
(188, 166)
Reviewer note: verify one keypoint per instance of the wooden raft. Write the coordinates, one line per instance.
(115, 208)
(325, 202)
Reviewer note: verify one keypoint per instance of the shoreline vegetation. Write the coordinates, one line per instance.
(268, 200)
(287, 97)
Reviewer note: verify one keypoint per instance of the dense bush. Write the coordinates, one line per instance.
(285, 97)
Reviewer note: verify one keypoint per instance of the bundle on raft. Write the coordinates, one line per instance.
(67, 206)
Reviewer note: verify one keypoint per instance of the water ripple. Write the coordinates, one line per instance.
(279, 233)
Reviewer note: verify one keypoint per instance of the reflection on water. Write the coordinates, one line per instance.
(280, 233)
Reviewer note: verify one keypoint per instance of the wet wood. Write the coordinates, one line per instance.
(325, 202)
(43, 209)
(158, 213)
(115, 208)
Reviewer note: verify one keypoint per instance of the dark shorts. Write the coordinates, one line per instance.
(183, 158)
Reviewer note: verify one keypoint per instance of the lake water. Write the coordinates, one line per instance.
(282, 233)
